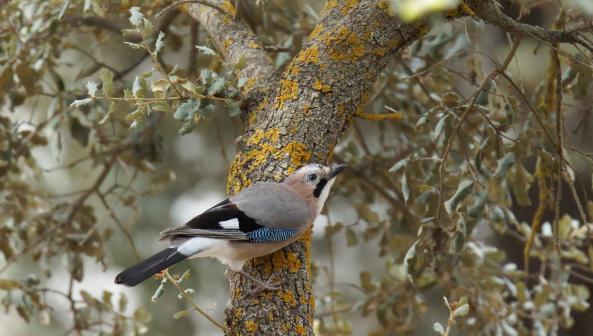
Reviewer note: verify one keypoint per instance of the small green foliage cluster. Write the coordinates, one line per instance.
(160, 90)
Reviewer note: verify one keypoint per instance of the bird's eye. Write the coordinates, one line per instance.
(312, 177)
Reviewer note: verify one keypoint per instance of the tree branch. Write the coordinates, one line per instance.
(299, 121)
(490, 12)
(238, 44)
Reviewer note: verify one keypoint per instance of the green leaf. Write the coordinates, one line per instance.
(8, 284)
(216, 86)
(180, 314)
(504, 164)
(91, 88)
(410, 255)
(463, 190)
(142, 315)
(135, 16)
(27, 77)
(206, 50)
(440, 126)
(122, 304)
(405, 188)
(139, 88)
(107, 79)
(461, 310)
(206, 75)
(106, 298)
(438, 328)
(366, 281)
(187, 110)
(241, 82)
(521, 182)
(160, 43)
(399, 164)
(351, 237)
(478, 207)
(134, 45)
(159, 291)
(81, 102)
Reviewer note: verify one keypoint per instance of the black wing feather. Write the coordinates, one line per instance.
(208, 224)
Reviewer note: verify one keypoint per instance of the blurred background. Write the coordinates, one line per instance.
(132, 171)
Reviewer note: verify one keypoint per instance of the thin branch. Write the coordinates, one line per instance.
(490, 12)
(379, 116)
(191, 302)
(559, 145)
(179, 3)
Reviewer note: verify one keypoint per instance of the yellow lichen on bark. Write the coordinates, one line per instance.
(250, 326)
(288, 297)
(289, 90)
(300, 330)
(249, 84)
(348, 6)
(294, 264)
(344, 45)
(228, 8)
(227, 43)
(299, 154)
(319, 86)
(254, 45)
(316, 31)
(264, 146)
(309, 55)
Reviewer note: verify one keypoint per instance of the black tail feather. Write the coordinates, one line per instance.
(143, 270)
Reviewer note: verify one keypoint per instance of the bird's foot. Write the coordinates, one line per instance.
(270, 285)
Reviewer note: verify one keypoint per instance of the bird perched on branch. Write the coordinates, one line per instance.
(257, 221)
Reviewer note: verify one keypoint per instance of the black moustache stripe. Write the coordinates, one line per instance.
(319, 188)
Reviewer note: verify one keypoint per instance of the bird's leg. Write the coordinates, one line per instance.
(269, 285)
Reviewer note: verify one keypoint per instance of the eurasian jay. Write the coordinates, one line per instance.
(259, 220)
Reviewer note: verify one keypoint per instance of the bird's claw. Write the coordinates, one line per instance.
(270, 285)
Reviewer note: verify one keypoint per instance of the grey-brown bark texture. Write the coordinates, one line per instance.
(293, 118)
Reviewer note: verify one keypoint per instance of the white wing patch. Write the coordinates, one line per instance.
(232, 223)
(197, 245)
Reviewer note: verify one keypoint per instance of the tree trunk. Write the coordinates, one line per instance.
(295, 118)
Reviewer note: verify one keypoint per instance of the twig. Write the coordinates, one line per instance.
(491, 13)
(559, 145)
(192, 303)
(378, 116)
(540, 174)
(121, 226)
(179, 3)
(157, 63)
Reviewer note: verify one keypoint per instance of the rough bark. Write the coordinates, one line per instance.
(300, 120)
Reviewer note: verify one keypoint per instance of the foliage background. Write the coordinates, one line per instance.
(90, 175)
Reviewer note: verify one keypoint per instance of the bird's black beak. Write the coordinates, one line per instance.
(335, 170)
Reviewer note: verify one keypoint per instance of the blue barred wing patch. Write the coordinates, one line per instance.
(270, 235)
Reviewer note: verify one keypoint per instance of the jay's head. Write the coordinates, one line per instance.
(313, 182)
